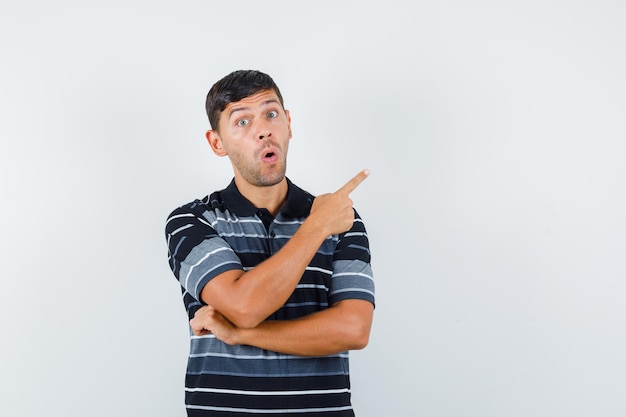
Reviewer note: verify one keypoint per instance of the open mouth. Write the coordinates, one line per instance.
(270, 156)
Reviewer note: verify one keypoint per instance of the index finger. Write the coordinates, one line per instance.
(354, 182)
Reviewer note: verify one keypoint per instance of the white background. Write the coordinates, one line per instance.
(495, 133)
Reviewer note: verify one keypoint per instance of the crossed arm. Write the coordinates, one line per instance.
(239, 302)
(343, 326)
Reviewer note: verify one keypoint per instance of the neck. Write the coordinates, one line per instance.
(271, 197)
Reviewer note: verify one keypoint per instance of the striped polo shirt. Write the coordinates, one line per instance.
(225, 231)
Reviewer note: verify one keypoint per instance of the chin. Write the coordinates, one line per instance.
(267, 180)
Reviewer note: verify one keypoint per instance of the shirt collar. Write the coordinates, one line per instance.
(298, 202)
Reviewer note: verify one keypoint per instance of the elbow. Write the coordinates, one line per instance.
(358, 336)
(355, 317)
(245, 318)
(361, 340)
(246, 322)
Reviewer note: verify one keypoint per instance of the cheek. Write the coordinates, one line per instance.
(236, 137)
(235, 152)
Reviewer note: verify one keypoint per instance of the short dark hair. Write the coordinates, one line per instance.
(234, 87)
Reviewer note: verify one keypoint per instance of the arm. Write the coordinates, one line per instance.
(247, 298)
(344, 326)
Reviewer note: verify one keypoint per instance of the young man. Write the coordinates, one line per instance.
(277, 283)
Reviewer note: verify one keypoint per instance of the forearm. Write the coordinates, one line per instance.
(336, 329)
(248, 298)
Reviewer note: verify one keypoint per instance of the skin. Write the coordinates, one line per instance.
(255, 133)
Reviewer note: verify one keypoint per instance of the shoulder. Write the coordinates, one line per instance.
(186, 210)
(194, 213)
(197, 207)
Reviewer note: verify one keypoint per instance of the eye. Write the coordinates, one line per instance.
(242, 122)
(272, 114)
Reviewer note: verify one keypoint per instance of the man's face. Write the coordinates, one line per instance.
(255, 132)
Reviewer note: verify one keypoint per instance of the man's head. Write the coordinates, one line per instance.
(251, 126)
(234, 87)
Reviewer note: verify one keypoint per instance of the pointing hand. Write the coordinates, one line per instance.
(334, 211)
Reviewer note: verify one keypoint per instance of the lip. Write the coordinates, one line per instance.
(269, 155)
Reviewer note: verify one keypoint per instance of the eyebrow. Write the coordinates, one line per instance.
(265, 103)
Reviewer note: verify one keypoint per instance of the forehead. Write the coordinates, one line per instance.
(260, 99)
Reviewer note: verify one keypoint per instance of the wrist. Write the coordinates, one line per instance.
(314, 229)
(240, 336)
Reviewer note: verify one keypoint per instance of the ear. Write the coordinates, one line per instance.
(288, 122)
(215, 141)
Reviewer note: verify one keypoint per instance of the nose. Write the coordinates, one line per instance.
(263, 128)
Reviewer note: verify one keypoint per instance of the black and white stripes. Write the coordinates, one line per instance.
(223, 232)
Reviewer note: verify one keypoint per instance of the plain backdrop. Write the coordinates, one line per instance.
(495, 135)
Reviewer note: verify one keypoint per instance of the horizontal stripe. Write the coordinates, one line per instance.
(244, 235)
(180, 229)
(324, 270)
(281, 383)
(353, 289)
(223, 231)
(321, 287)
(297, 305)
(268, 356)
(231, 220)
(178, 216)
(268, 393)
(352, 234)
(353, 274)
(262, 411)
